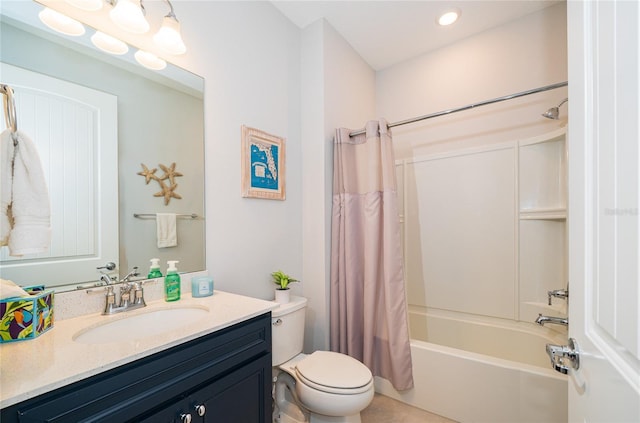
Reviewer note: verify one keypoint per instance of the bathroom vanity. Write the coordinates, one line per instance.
(223, 375)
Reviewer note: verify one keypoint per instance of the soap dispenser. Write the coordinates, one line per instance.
(154, 270)
(172, 282)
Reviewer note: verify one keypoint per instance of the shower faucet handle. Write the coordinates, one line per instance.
(558, 293)
(564, 357)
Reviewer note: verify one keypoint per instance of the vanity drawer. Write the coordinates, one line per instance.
(122, 394)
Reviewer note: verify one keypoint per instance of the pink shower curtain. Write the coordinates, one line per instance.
(368, 303)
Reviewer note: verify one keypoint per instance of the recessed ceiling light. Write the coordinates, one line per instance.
(449, 17)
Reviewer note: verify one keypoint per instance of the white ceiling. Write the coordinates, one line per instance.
(388, 32)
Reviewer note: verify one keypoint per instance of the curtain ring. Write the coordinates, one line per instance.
(10, 112)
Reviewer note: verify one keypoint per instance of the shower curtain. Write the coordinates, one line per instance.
(368, 303)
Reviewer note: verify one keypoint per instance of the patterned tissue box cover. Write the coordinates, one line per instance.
(26, 318)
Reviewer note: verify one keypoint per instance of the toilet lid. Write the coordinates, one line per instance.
(334, 370)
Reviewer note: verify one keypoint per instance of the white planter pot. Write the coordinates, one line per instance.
(282, 296)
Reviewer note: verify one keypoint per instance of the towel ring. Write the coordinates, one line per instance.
(10, 111)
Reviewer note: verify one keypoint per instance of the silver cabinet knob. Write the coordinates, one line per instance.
(277, 322)
(200, 409)
(185, 418)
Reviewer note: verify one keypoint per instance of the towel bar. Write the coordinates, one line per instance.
(152, 216)
(10, 111)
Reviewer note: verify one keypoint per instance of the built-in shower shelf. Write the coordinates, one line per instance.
(544, 214)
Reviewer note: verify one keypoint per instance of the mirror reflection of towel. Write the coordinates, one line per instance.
(166, 230)
(25, 210)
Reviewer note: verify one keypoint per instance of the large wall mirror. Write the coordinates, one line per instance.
(98, 120)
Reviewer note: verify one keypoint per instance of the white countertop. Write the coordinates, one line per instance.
(33, 367)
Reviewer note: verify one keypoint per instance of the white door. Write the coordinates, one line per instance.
(604, 185)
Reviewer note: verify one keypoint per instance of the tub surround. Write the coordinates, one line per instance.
(31, 368)
(497, 368)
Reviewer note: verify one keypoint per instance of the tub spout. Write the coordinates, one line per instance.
(541, 320)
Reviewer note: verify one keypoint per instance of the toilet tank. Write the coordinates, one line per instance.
(287, 330)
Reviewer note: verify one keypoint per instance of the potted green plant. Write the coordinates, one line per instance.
(282, 291)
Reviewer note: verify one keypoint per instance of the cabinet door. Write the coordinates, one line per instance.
(158, 388)
(243, 396)
(168, 414)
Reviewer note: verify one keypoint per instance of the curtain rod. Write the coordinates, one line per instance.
(471, 106)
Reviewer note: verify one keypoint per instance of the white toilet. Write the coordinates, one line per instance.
(322, 387)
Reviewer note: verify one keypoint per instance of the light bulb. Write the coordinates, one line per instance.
(149, 60)
(61, 23)
(108, 43)
(168, 36)
(448, 17)
(88, 5)
(127, 14)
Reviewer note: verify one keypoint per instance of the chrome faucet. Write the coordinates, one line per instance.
(106, 279)
(131, 294)
(131, 274)
(541, 320)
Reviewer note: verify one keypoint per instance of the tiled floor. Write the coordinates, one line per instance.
(386, 410)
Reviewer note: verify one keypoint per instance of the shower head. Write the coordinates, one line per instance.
(554, 112)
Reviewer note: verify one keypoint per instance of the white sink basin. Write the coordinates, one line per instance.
(137, 326)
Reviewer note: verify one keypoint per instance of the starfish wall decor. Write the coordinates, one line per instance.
(168, 190)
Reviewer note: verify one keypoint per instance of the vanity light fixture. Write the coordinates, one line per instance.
(129, 16)
(88, 5)
(449, 17)
(149, 60)
(61, 23)
(109, 44)
(168, 36)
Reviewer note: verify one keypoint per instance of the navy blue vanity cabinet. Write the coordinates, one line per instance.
(229, 399)
(221, 377)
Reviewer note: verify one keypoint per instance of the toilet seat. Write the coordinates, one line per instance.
(334, 373)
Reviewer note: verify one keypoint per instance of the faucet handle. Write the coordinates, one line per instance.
(138, 294)
(111, 301)
(558, 293)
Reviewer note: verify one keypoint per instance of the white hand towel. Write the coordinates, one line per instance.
(166, 231)
(6, 180)
(30, 210)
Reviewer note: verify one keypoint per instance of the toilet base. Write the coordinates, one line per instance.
(288, 410)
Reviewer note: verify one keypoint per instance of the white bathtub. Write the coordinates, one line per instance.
(473, 369)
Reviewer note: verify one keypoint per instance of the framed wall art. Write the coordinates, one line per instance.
(263, 165)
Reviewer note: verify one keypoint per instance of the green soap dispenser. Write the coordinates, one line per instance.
(154, 270)
(172, 282)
